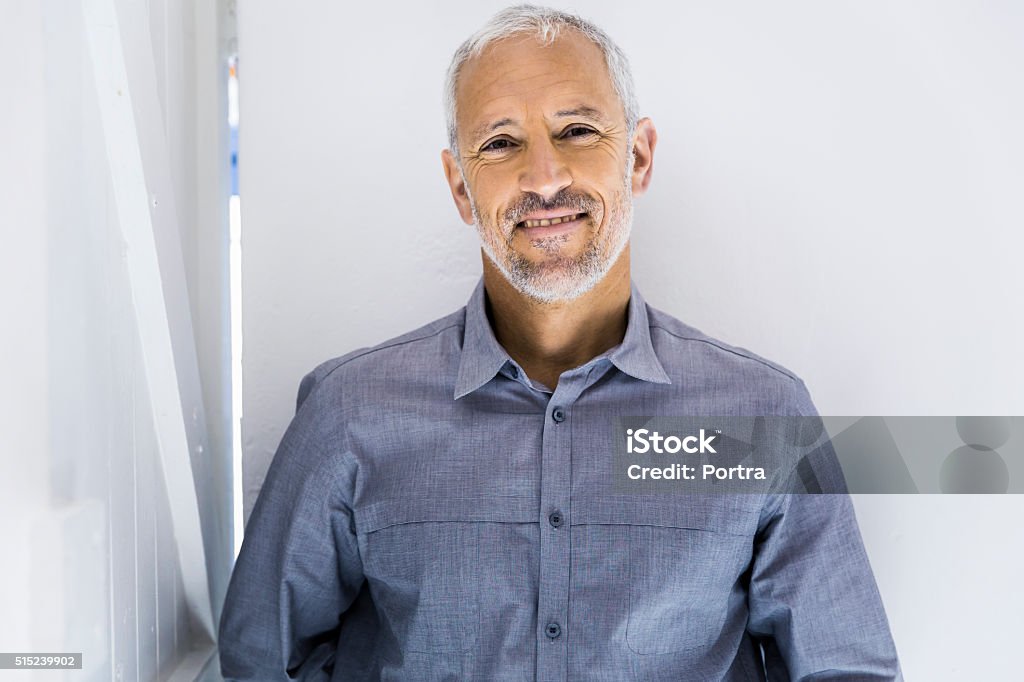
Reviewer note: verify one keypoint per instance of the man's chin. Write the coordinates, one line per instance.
(550, 280)
(554, 287)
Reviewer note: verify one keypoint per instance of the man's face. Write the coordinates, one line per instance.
(546, 163)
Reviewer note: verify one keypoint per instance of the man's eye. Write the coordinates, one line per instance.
(579, 131)
(497, 145)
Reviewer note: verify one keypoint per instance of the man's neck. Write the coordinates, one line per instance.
(547, 339)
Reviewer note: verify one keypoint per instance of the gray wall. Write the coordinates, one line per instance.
(836, 187)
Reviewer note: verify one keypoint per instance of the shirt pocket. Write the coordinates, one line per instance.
(422, 560)
(685, 566)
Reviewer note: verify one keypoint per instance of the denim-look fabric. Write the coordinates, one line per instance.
(432, 514)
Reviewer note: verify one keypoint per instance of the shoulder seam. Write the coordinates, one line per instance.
(384, 346)
(727, 350)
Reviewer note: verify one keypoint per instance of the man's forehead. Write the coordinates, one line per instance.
(570, 76)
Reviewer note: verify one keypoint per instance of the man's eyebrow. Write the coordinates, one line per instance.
(584, 111)
(481, 130)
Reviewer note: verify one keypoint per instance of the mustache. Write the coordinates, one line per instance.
(577, 202)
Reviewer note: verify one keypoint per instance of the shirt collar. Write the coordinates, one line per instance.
(635, 355)
(482, 355)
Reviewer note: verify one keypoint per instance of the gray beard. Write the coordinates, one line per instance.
(564, 279)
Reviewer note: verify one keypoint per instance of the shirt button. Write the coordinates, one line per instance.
(553, 630)
(558, 414)
(555, 519)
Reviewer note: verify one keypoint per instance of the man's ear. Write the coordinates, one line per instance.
(457, 185)
(644, 141)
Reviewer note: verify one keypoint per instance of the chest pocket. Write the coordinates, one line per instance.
(686, 559)
(423, 560)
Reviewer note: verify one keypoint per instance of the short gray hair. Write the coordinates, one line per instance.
(545, 24)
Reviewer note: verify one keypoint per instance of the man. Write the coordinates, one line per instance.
(442, 506)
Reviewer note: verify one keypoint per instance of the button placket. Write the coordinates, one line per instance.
(556, 465)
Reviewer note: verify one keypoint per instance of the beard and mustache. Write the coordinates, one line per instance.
(555, 276)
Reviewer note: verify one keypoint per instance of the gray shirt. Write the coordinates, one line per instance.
(433, 514)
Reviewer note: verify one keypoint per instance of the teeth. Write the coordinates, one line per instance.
(552, 221)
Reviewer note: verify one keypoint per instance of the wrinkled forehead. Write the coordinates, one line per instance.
(519, 75)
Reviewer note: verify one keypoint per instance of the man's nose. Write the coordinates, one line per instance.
(545, 172)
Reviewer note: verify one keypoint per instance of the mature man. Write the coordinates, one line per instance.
(442, 506)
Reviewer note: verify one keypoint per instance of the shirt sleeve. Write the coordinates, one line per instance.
(813, 601)
(298, 569)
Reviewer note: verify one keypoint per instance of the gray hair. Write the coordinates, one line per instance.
(545, 24)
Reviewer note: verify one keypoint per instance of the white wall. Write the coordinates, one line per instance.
(96, 558)
(837, 187)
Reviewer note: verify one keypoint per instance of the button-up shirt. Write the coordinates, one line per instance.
(434, 514)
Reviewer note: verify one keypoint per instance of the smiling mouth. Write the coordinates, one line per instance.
(550, 221)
